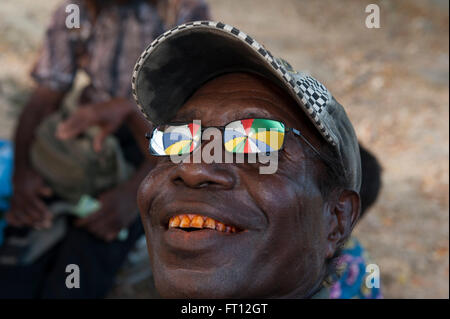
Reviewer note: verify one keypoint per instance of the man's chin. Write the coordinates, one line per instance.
(172, 282)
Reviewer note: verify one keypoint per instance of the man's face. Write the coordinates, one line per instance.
(279, 249)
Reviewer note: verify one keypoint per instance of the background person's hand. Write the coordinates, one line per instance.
(108, 116)
(27, 206)
(118, 210)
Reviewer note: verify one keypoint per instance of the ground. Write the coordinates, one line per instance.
(393, 82)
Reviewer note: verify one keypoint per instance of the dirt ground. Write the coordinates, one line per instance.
(393, 82)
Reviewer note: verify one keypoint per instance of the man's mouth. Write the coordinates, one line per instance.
(193, 222)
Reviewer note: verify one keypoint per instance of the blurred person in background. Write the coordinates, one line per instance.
(52, 162)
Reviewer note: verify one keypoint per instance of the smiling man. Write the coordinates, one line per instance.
(221, 229)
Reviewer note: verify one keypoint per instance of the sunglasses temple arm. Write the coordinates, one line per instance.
(322, 156)
(297, 132)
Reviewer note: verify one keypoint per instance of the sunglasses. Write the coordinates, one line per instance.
(245, 136)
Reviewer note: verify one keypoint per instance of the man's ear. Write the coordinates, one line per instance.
(343, 215)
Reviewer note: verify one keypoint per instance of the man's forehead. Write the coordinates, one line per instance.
(241, 83)
(218, 109)
(244, 95)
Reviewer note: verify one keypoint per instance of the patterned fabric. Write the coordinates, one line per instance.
(107, 48)
(350, 280)
(254, 136)
(313, 92)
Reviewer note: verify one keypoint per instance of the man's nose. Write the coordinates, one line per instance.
(199, 175)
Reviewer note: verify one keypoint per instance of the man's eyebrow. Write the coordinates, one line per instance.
(240, 115)
(250, 114)
(193, 114)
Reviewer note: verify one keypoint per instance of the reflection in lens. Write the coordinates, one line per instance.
(177, 140)
(254, 136)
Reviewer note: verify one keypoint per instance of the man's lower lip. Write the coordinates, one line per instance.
(197, 240)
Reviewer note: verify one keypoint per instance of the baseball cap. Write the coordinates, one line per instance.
(182, 59)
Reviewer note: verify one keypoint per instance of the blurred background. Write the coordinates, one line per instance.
(393, 82)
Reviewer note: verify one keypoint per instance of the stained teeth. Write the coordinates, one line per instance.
(185, 222)
(210, 223)
(197, 222)
(220, 226)
(174, 221)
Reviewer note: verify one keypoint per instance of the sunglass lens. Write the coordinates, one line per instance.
(175, 140)
(254, 136)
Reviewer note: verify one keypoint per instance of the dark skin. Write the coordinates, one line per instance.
(288, 230)
(119, 207)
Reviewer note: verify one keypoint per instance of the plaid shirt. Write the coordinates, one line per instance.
(107, 48)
